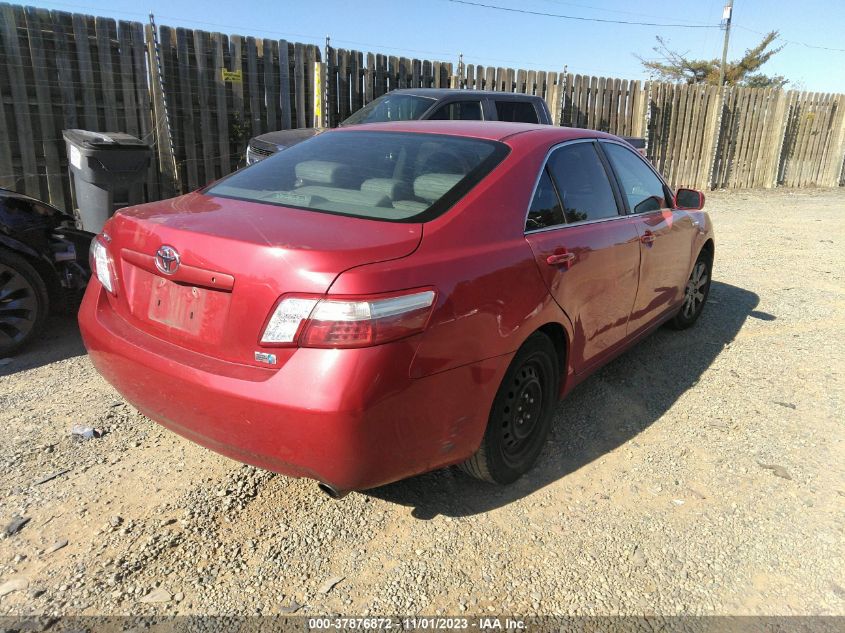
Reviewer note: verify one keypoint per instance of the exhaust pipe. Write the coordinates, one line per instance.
(331, 491)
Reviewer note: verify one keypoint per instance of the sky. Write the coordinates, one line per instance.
(442, 29)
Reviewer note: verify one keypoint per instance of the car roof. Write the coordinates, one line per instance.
(488, 130)
(439, 93)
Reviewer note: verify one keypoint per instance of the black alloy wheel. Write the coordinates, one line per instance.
(24, 302)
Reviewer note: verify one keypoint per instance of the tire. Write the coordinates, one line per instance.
(696, 292)
(512, 444)
(24, 302)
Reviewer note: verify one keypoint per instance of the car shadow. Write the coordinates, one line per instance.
(59, 340)
(608, 409)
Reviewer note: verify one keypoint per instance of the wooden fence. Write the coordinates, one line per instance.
(197, 97)
(269, 85)
(60, 71)
(545, 84)
(355, 78)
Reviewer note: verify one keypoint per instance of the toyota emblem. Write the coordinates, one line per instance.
(167, 259)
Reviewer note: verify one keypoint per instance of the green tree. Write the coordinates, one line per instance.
(677, 67)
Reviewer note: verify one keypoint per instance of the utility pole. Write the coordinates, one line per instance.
(164, 137)
(726, 17)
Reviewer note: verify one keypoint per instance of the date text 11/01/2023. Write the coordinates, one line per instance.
(417, 623)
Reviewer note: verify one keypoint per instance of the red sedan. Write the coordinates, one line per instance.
(389, 299)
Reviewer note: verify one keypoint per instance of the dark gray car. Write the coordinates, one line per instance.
(419, 103)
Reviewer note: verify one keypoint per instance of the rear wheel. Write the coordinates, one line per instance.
(521, 415)
(695, 294)
(24, 302)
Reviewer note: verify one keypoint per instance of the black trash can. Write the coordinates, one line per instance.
(107, 172)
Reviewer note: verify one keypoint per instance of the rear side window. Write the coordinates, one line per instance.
(545, 209)
(393, 176)
(516, 111)
(582, 183)
(640, 186)
(458, 111)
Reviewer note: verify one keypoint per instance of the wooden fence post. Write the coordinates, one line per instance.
(774, 144)
(104, 32)
(146, 121)
(224, 146)
(166, 159)
(642, 101)
(554, 96)
(716, 138)
(835, 159)
(251, 81)
(49, 132)
(202, 84)
(284, 84)
(20, 100)
(7, 172)
(711, 136)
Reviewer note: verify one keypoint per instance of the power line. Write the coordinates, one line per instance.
(619, 11)
(251, 29)
(824, 48)
(581, 18)
(585, 19)
(318, 38)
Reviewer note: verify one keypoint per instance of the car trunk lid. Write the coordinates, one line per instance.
(230, 262)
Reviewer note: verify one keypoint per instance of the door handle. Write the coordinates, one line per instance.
(647, 238)
(561, 259)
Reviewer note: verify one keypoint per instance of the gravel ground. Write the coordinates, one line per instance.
(700, 473)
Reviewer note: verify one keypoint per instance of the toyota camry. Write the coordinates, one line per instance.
(385, 300)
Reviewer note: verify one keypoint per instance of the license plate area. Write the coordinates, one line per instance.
(178, 306)
(183, 313)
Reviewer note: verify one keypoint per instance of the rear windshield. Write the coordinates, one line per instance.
(392, 176)
(391, 108)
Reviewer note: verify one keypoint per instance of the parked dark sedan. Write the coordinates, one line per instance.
(43, 266)
(418, 104)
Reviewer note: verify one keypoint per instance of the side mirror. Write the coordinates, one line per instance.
(689, 199)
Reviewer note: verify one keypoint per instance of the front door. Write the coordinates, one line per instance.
(665, 234)
(588, 254)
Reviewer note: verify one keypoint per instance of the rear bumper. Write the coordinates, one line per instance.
(351, 418)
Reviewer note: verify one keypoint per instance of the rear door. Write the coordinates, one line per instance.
(665, 234)
(587, 251)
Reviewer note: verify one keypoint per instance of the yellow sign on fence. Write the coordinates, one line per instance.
(231, 75)
(318, 95)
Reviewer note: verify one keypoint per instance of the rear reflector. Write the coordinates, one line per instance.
(348, 321)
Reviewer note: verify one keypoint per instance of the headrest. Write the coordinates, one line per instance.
(433, 186)
(322, 172)
(391, 187)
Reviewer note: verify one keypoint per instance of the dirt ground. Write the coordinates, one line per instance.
(700, 473)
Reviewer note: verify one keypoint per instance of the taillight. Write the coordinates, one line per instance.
(101, 264)
(348, 321)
